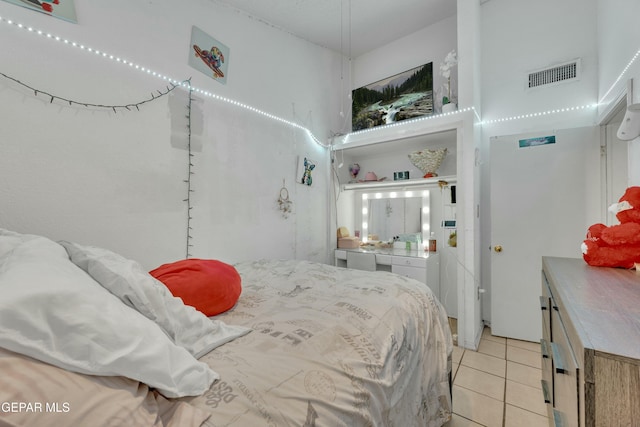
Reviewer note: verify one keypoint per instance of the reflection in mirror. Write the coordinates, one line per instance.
(392, 217)
(389, 214)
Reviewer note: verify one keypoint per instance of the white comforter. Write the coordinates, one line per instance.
(331, 347)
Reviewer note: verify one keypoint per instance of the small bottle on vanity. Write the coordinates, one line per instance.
(432, 242)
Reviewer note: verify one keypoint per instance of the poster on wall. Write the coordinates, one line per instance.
(400, 97)
(208, 55)
(532, 142)
(63, 9)
(305, 170)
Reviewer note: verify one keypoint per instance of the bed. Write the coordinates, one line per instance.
(306, 344)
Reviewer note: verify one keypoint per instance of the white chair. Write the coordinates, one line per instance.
(361, 261)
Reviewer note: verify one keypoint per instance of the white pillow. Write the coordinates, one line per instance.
(53, 311)
(127, 280)
(10, 239)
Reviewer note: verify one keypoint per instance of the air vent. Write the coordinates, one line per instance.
(557, 74)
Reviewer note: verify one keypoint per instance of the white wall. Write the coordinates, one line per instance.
(518, 38)
(618, 43)
(431, 44)
(116, 179)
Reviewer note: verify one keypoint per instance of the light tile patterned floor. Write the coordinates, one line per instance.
(499, 385)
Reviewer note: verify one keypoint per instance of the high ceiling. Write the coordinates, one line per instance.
(352, 27)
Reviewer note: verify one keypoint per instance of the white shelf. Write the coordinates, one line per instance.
(406, 129)
(401, 183)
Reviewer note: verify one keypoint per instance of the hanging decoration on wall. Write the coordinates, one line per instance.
(63, 9)
(305, 169)
(284, 204)
(189, 175)
(208, 55)
(128, 107)
(140, 68)
(114, 108)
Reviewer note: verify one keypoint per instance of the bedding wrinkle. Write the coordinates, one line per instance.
(65, 399)
(307, 344)
(58, 314)
(140, 291)
(334, 347)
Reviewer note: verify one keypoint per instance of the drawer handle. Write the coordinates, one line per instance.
(557, 418)
(557, 359)
(545, 391)
(544, 349)
(544, 302)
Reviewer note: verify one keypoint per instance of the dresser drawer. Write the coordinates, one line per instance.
(545, 346)
(565, 372)
(412, 272)
(595, 336)
(383, 259)
(545, 308)
(409, 261)
(547, 371)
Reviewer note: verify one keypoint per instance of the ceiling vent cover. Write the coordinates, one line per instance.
(562, 73)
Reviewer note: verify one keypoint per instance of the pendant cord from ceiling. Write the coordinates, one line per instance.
(343, 114)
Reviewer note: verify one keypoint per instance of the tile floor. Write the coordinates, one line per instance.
(498, 385)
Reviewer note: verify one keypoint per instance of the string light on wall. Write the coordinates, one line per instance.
(190, 173)
(114, 108)
(538, 114)
(624, 71)
(138, 67)
(404, 122)
(408, 122)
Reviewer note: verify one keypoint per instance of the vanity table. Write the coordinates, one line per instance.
(420, 265)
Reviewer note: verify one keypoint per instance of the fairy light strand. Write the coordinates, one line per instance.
(143, 69)
(539, 114)
(71, 102)
(418, 119)
(624, 71)
(190, 173)
(138, 67)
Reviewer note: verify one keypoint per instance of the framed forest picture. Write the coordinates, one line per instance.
(404, 96)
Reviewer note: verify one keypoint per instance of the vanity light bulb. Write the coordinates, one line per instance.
(393, 194)
(365, 211)
(408, 194)
(365, 226)
(378, 195)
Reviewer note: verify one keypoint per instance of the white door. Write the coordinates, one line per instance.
(543, 199)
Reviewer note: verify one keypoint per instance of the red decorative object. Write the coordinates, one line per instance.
(210, 286)
(617, 245)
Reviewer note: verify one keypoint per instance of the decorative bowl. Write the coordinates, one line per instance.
(428, 161)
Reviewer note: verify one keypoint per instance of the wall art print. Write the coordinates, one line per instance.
(400, 97)
(63, 9)
(208, 55)
(305, 170)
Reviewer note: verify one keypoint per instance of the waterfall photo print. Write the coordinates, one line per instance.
(400, 97)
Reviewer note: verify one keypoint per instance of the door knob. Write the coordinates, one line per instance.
(497, 248)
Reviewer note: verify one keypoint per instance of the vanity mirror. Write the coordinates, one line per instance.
(393, 213)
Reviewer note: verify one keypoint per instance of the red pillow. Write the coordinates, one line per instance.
(210, 286)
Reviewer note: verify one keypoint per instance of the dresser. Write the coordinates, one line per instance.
(591, 344)
(419, 265)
